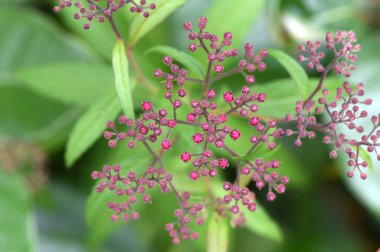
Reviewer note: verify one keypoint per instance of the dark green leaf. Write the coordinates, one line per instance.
(295, 70)
(69, 83)
(141, 25)
(90, 127)
(122, 81)
(190, 63)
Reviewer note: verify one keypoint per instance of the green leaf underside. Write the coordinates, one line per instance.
(191, 64)
(217, 234)
(122, 81)
(97, 213)
(71, 83)
(90, 127)
(295, 70)
(141, 25)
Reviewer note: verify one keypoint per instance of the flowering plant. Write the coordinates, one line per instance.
(216, 143)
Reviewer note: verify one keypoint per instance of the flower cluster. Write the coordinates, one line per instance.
(217, 52)
(95, 10)
(129, 187)
(344, 107)
(149, 128)
(212, 123)
(236, 195)
(303, 118)
(211, 114)
(344, 49)
(262, 175)
(176, 75)
(187, 213)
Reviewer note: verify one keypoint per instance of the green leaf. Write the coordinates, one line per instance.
(236, 16)
(23, 112)
(90, 127)
(33, 38)
(191, 64)
(141, 25)
(97, 213)
(259, 222)
(363, 153)
(122, 81)
(217, 234)
(295, 70)
(17, 232)
(70, 83)
(281, 96)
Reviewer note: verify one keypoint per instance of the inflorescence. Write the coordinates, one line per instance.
(99, 10)
(211, 120)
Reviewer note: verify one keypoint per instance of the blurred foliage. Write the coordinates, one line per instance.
(56, 93)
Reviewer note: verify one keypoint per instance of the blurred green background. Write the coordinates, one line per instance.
(52, 72)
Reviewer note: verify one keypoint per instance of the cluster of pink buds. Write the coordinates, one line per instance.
(185, 215)
(343, 47)
(343, 107)
(303, 118)
(252, 62)
(149, 128)
(205, 163)
(217, 52)
(238, 195)
(176, 75)
(129, 187)
(96, 10)
(314, 57)
(262, 175)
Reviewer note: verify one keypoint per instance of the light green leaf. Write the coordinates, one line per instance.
(17, 232)
(191, 64)
(90, 127)
(122, 81)
(295, 70)
(236, 16)
(70, 83)
(217, 234)
(141, 25)
(97, 213)
(261, 223)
